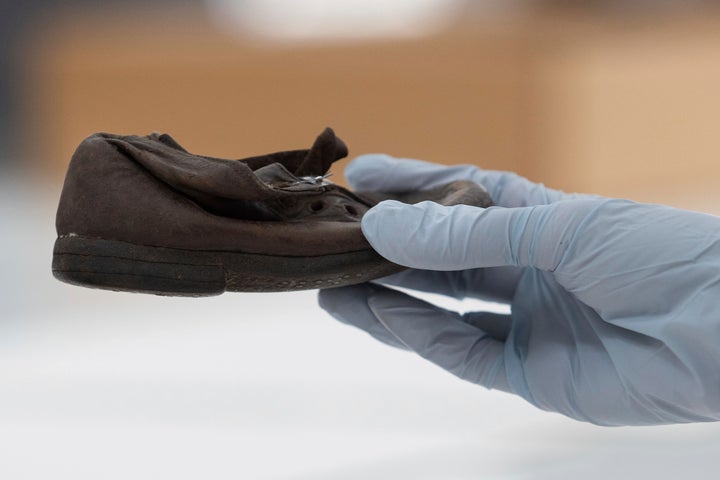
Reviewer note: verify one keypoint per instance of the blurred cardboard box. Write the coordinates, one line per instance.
(609, 105)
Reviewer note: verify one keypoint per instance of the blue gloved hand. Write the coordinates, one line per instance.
(615, 305)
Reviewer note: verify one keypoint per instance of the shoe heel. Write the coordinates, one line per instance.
(122, 266)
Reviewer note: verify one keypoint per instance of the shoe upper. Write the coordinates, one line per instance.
(150, 191)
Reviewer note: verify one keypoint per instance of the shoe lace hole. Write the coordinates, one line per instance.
(351, 210)
(317, 206)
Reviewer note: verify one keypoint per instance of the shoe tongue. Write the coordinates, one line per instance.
(327, 149)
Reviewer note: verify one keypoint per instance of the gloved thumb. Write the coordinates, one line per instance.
(430, 236)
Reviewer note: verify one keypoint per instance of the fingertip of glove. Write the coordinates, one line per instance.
(399, 231)
(378, 222)
(386, 207)
(326, 299)
(333, 299)
(348, 298)
(366, 172)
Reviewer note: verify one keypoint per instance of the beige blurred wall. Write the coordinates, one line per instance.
(629, 107)
(604, 104)
(449, 99)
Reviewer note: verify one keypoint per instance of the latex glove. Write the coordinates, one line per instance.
(615, 305)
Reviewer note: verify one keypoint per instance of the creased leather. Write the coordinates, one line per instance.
(149, 190)
(201, 176)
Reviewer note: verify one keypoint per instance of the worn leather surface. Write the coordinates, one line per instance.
(148, 190)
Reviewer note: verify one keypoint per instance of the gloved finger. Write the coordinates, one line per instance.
(497, 325)
(379, 172)
(488, 284)
(430, 236)
(443, 338)
(350, 306)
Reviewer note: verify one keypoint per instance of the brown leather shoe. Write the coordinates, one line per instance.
(141, 214)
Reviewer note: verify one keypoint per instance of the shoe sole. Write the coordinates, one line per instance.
(122, 266)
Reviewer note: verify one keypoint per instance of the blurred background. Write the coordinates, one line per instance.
(617, 98)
